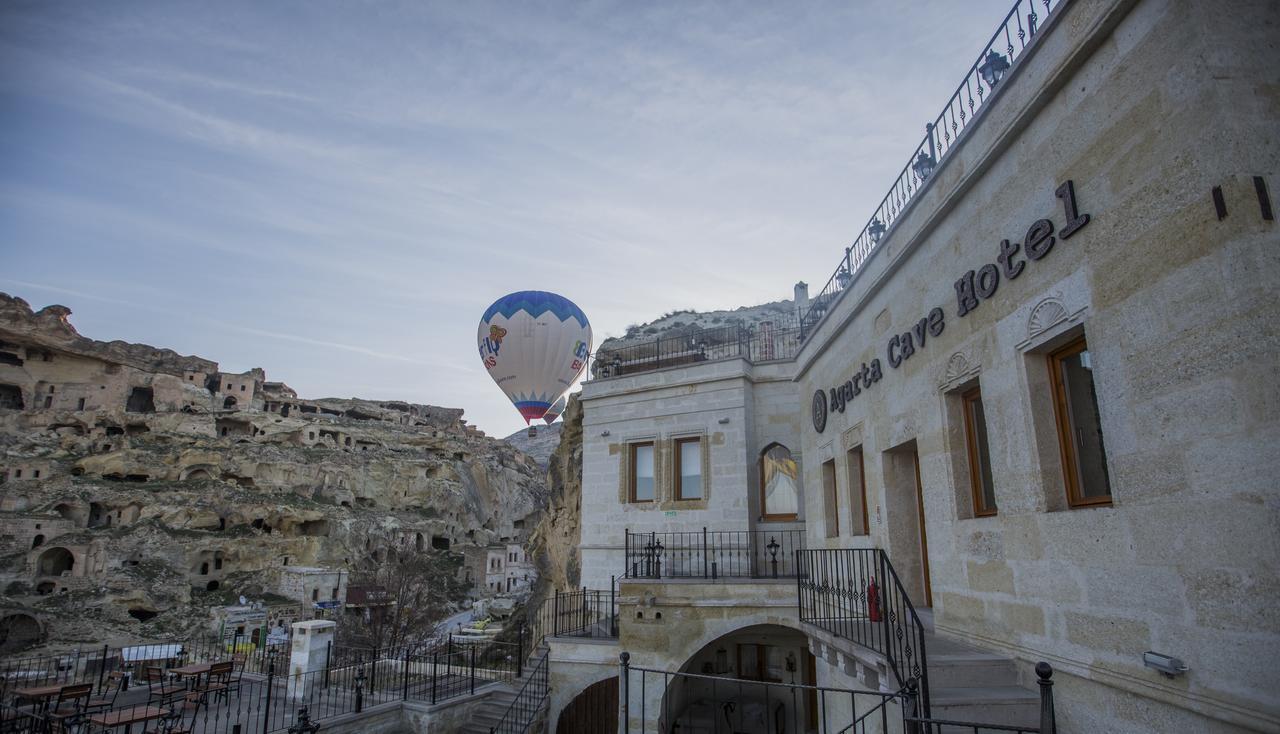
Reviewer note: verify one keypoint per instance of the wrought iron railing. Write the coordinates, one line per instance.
(713, 554)
(730, 702)
(763, 342)
(524, 710)
(855, 593)
(972, 95)
(586, 613)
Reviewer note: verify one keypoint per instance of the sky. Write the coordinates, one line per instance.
(335, 191)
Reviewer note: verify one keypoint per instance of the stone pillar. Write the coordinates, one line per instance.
(802, 298)
(310, 655)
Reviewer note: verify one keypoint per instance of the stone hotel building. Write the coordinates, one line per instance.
(1032, 417)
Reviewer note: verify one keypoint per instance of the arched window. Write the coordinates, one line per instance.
(779, 483)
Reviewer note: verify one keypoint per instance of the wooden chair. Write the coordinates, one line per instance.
(175, 721)
(68, 712)
(159, 687)
(222, 680)
(115, 683)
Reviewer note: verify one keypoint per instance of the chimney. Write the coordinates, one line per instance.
(802, 298)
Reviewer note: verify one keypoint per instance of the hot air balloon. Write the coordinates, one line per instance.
(534, 344)
(555, 410)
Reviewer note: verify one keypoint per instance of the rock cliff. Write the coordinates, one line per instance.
(143, 492)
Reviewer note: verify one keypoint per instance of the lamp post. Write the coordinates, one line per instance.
(773, 552)
(304, 724)
(993, 68)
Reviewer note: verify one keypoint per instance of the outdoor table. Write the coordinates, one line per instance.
(38, 695)
(126, 717)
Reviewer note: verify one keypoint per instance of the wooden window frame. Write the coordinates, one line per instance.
(632, 450)
(861, 487)
(831, 515)
(764, 513)
(1062, 419)
(967, 399)
(678, 464)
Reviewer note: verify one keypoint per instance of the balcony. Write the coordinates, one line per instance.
(713, 554)
(763, 342)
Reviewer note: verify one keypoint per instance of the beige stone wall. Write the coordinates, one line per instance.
(1145, 106)
(735, 408)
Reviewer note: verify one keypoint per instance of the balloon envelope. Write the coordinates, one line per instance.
(534, 345)
(555, 410)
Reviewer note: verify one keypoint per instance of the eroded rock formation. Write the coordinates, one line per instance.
(142, 490)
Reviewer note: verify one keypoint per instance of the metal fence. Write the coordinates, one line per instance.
(179, 686)
(713, 554)
(711, 703)
(762, 342)
(586, 613)
(974, 93)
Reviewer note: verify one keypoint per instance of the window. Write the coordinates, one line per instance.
(830, 504)
(242, 388)
(335, 593)
(779, 483)
(315, 595)
(858, 524)
(1075, 404)
(975, 432)
(688, 468)
(36, 474)
(80, 404)
(642, 487)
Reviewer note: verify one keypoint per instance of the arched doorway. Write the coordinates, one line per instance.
(229, 403)
(55, 561)
(732, 691)
(18, 631)
(594, 710)
(37, 541)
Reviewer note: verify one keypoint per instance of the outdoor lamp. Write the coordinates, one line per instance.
(923, 165)
(993, 68)
(875, 230)
(843, 277)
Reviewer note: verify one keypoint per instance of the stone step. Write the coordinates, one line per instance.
(1007, 705)
(971, 670)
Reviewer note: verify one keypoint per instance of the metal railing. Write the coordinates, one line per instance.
(726, 703)
(730, 703)
(762, 342)
(855, 593)
(528, 702)
(713, 554)
(974, 92)
(584, 613)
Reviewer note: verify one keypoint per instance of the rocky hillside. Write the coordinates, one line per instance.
(679, 323)
(554, 543)
(541, 446)
(143, 492)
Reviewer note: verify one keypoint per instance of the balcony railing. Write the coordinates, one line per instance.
(976, 89)
(713, 554)
(763, 342)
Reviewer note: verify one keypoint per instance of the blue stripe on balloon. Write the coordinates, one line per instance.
(535, 303)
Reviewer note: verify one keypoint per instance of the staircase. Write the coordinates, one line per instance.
(967, 684)
(489, 712)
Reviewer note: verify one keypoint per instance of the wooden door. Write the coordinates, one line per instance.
(593, 710)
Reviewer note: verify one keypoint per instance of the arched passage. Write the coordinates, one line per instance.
(734, 696)
(18, 631)
(594, 710)
(229, 403)
(55, 561)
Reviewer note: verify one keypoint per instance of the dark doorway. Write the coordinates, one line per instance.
(141, 400)
(594, 710)
(11, 397)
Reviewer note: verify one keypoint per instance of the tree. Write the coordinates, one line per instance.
(412, 591)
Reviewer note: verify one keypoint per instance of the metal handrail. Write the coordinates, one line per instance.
(507, 724)
(765, 341)
(963, 107)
